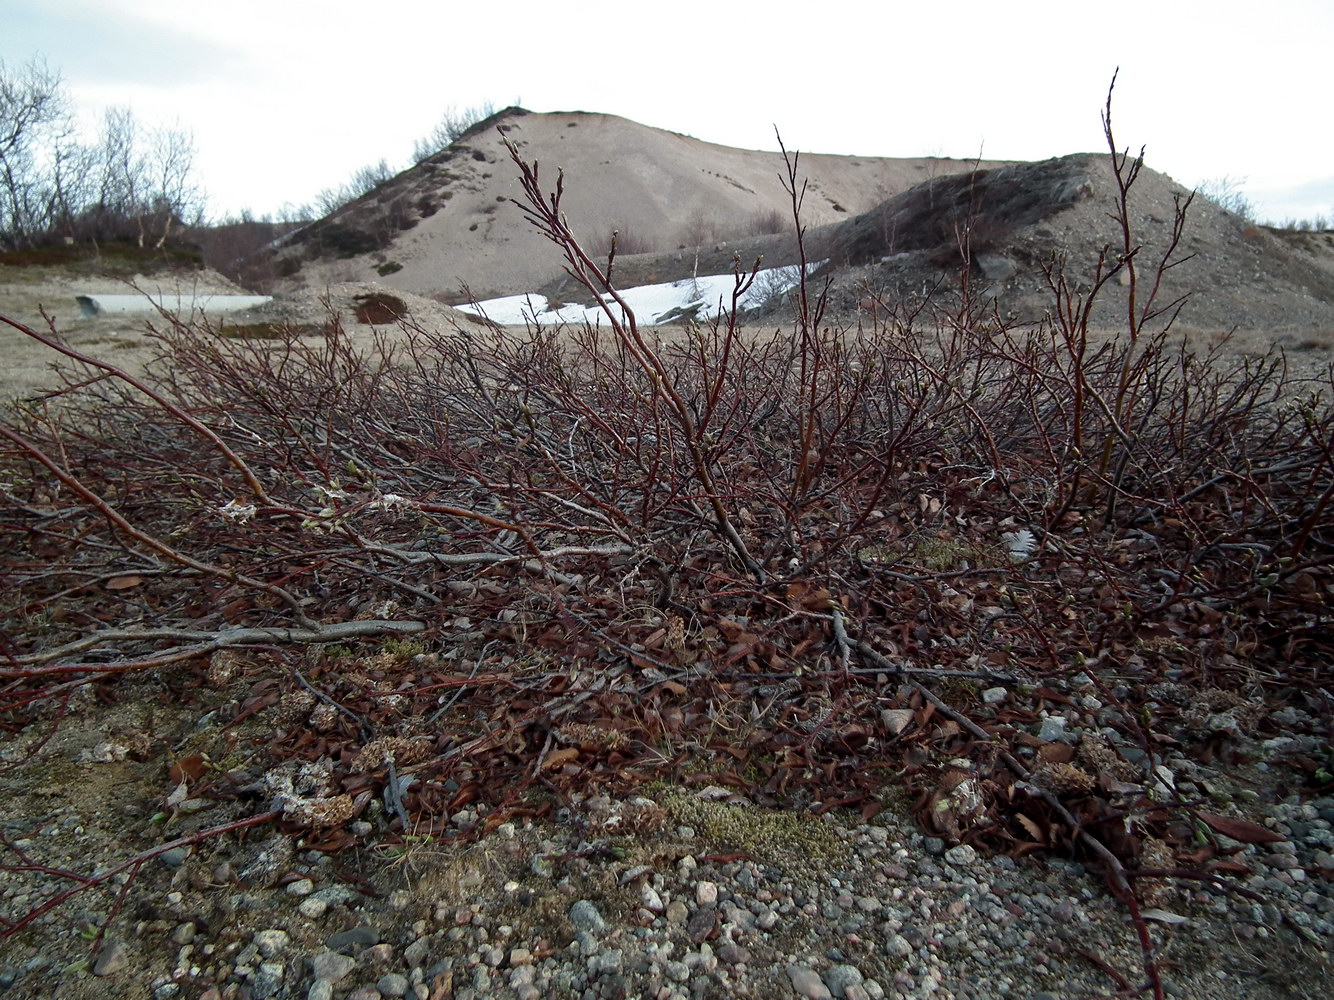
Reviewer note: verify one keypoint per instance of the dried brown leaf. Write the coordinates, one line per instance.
(1033, 829)
(1238, 829)
(558, 758)
(1056, 753)
(187, 769)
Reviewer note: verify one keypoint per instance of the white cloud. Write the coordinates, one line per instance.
(286, 97)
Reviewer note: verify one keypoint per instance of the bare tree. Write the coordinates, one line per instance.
(453, 123)
(175, 202)
(365, 180)
(73, 168)
(129, 183)
(121, 177)
(32, 106)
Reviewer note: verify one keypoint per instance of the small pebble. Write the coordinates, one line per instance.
(331, 966)
(807, 983)
(113, 957)
(312, 909)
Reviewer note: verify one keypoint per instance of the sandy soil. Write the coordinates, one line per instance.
(45, 299)
(127, 341)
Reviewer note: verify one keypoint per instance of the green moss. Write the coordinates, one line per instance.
(765, 834)
(403, 649)
(941, 554)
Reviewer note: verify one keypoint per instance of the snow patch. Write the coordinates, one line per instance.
(702, 298)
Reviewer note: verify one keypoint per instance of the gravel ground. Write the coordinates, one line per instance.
(683, 894)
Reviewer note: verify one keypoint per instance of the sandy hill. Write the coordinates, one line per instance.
(1020, 218)
(448, 220)
(888, 227)
(1016, 220)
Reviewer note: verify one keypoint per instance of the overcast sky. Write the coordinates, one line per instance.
(287, 97)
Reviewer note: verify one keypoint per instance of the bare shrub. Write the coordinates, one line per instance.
(641, 529)
(624, 239)
(766, 222)
(698, 230)
(1228, 193)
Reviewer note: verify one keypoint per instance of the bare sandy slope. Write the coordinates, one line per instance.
(42, 297)
(658, 188)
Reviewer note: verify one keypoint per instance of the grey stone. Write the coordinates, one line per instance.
(585, 917)
(312, 908)
(354, 941)
(995, 266)
(607, 962)
(522, 975)
(1053, 728)
(391, 984)
(839, 977)
(896, 720)
(807, 983)
(733, 954)
(175, 857)
(331, 966)
(961, 854)
(334, 894)
(271, 942)
(267, 981)
(113, 957)
(320, 989)
(415, 953)
(994, 696)
(897, 946)
(184, 933)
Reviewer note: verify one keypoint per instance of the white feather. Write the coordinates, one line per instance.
(1022, 544)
